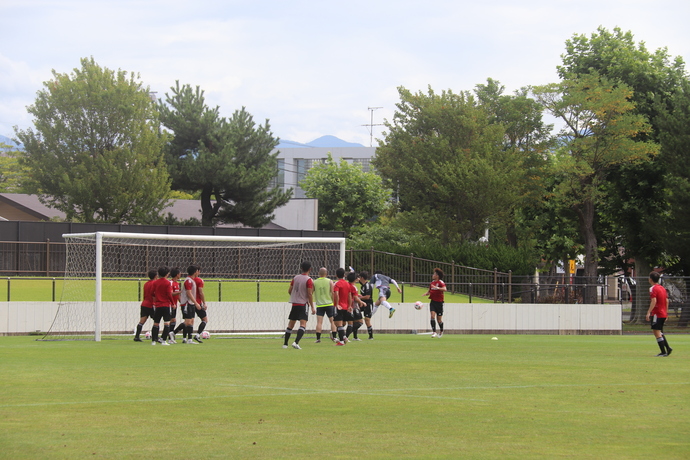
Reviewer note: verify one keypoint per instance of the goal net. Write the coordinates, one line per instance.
(105, 271)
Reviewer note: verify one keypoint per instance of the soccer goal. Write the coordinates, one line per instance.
(98, 263)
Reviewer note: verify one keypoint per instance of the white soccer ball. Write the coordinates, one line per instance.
(418, 305)
(205, 335)
(148, 335)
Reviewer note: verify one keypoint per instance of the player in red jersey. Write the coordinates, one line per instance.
(658, 312)
(201, 306)
(162, 306)
(175, 282)
(436, 298)
(344, 293)
(146, 310)
(189, 305)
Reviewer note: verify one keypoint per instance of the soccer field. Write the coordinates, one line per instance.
(398, 396)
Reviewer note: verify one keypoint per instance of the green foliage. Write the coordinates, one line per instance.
(13, 174)
(229, 161)
(95, 153)
(442, 155)
(348, 196)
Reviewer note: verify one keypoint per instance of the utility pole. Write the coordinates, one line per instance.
(371, 125)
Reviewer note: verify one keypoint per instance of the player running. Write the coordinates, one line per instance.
(436, 296)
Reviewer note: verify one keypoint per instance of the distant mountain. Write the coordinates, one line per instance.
(7, 141)
(323, 141)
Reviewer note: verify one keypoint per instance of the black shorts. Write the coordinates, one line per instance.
(328, 310)
(658, 323)
(385, 291)
(299, 313)
(188, 311)
(366, 311)
(357, 314)
(164, 313)
(173, 313)
(436, 307)
(201, 313)
(343, 315)
(146, 311)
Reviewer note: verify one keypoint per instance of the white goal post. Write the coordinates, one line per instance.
(90, 309)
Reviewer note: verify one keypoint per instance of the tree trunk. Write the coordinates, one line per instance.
(586, 212)
(208, 210)
(640, 303)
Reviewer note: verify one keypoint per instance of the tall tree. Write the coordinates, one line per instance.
(599, 134)
(13, 175)
(348, 196)
(444, 160)
(96, 153)
(228, 161)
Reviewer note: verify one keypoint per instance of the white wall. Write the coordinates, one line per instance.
(298, 214)
(26, 317)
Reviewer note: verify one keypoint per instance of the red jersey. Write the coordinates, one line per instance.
(343, 288)
(199, 285)
(658, 292)
(148, 294)
(435, 294)
(188, 294)
(175, 291)
(162, 292)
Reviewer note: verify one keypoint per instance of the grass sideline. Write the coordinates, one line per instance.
(398, 396)
(41, 290)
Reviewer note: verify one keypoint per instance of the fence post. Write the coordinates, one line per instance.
(470, 292)
(139, 290)
(53, 289)
(258, 290)
(495, 285)
(411, 268)
(510, 286)
(402, 294)
(371, 261)
(220, 291)
(48, 257)
(452, 277)
(8, 288)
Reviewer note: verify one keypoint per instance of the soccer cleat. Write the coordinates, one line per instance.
(434, 335)
(661, 355)
(171, 337)
(184, 340)
(390, 315)
(668, 353)
(160, 340)
(190, 342)
(197, 338)
(339, 344)
(285, 346)
(137, 339)
(346, 340)
(371, 338)
(153, 342)
(357, 340)
(165, 343)
(296, 346)
(318, 341)
(440, 334)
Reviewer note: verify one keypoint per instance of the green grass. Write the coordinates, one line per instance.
(41, 289)
(399, 396)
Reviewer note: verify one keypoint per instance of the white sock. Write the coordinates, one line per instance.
(386, 304)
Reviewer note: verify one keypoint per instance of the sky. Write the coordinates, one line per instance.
(312, 68)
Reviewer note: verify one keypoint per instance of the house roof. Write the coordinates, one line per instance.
(21, 206)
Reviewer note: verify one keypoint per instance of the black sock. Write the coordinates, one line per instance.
(181, 327)
(660, 342)
(166, 330)
(355, 328)
(433, 325)
(202, 326)
(341, 333)
(370, 330)
(318, 336)
(668, 347)
(154, 333)
(440, 327)
(300, 333)
(139, 326)
(334, 334)
(348, 331)
(190, 331)
(172, 326)
(288, 332)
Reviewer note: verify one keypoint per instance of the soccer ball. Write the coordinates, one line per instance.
(205, 335)
(148, 335)
(418, 305)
